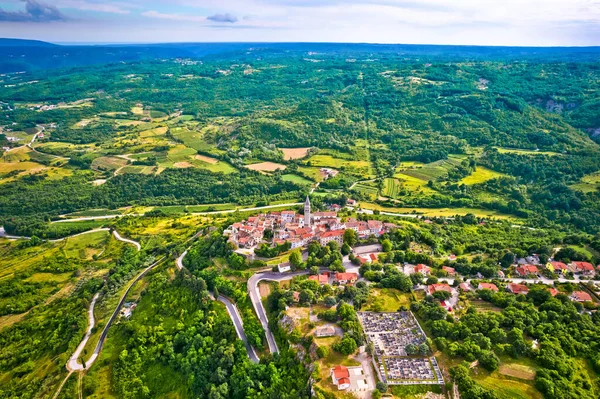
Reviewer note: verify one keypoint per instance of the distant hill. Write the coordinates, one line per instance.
(24, 43)
(25, 55)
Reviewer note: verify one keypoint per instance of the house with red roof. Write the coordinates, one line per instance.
(433, 288)
(333, 235)
(423, 269)
(526, 270)
(517, 288)
(584, 268)
(340, 377)
(553, 291)
(449, 270)
(464, 287)
(487, 286)
(557, 267)
(322, 278)
(346, 278)
(580, 296)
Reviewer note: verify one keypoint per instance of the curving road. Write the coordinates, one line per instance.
(256, 208)
(257, 302)
(73, 363)
(234, 314)
(115, 233)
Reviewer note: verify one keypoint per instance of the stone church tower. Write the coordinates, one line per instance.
(307, 212)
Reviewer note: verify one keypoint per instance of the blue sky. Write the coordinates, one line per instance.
(479, 22)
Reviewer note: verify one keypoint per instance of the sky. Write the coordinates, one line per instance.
(470, 22)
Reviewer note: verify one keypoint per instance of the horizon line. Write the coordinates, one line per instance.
(125, 43)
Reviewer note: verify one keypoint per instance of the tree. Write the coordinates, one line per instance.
(381, 387)
(386, 245)
(307, 296)
(417, 278)
(296, 259)
(346, 249)
(346, 346)
(322, 352)
(411, 349)
(424, 349)
(350, 237)
(489, 360)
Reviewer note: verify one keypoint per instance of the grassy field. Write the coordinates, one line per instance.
(434, 170)
(387, 300)
(296, 179)
(519, 151)
(588, 183)
(311, 173)
(108, 163)
(506, 387)
(412, 183)
(358, 168)
(439, 212)
(481, 175)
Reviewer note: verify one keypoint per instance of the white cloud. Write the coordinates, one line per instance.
(106, 7)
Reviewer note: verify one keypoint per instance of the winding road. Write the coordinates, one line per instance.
(73, 363)
(234, 314)
(257, 302)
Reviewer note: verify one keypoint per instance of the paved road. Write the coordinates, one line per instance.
(73, 363)
(115, 233)
(257, 208)
(236, 318)
(118, 237)
(233, 312)
(258, 305)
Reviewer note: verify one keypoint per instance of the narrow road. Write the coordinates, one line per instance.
(233, 312)
(118, 237)
(257, 208)
(73, 363)
(115, 233)
(257, 302)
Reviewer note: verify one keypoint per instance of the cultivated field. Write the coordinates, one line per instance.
(481, 175)
(294, 153)
(266, 166)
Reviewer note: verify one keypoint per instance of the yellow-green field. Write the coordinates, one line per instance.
(481, 175)
(412, 183)
(519, 151)
(439, 212)
(362, 168)
(588, 183)
(387, 300)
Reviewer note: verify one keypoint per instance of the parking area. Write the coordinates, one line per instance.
(390, 333)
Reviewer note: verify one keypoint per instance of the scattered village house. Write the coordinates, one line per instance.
(340, 377)
(487, 286)
(580, 296)
(583, 268)
(325, 331)
(346, 278)
(284, 267)
(517, 288)
(527, 270)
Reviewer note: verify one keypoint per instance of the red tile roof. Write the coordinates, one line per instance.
(581, 296)
(346, 276)
(340, 372)
(449, 270)
(553, 291)
(527, 269)
(488, 286)
(558, 265)
(439, 287)
(583, 266)
(518, 288)
(333, 233)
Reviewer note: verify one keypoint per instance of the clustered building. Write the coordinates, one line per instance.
(299, 230)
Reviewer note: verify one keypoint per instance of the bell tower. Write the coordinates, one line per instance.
(307, 212)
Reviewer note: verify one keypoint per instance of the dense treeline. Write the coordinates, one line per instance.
(172, 187)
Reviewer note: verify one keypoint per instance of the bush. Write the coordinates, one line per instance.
(322, 351)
